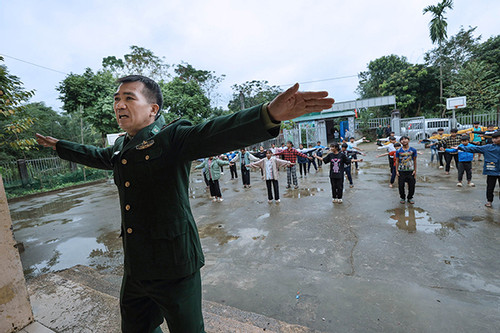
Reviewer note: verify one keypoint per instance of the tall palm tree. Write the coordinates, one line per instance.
(437, 32)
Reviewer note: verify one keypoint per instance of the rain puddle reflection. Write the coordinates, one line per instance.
(302, 192)
(414, 219)
(77, 250)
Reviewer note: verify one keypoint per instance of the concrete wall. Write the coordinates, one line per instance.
(15, 308)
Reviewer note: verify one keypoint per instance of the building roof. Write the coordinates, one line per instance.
(323, 115)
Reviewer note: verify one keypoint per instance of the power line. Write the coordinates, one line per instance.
(321, 80)
(33, 64)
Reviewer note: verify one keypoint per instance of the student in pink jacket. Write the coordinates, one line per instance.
(270, 165)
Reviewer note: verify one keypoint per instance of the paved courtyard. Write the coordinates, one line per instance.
(370, 264)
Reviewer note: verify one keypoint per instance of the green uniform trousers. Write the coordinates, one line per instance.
(145, 303)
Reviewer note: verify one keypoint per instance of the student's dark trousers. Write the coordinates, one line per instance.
(447, 158)
(245, 175)
(440, 156)
(467, 167)
(313, 162)
(302, 166)
(144, 304)
(214, 188)
(406, 177)
(234, 173)
(391, 162)
(337, 187)
(490, 186)
(347, 170)
(274, 184)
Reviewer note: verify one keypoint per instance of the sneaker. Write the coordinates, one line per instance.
(222, 173)
(334, 200)
(269, 201)
(488, 204)
(351, 186)
(220, 199)
(248, 186)
(411, 201)
(339, 200)
(441, 167)
(278, 201)
(402, 201)
(288, 186)
(390, 185)
(296, 187)
(214, 199)
(471, 184)
(446, 173)
(459, 184)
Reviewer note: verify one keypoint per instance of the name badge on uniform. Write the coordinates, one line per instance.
(145, 145)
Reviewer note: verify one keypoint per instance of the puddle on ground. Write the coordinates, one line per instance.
(77, 250)
(216, 231)
(302, 192)
(37, 222)
(414, 219)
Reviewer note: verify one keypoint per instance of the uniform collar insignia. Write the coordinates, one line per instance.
(155, 129)
(145, 144)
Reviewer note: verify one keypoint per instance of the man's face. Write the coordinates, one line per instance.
(289, 145)
(490, 128)
(301, 146)
(440, 132)
(132, 110)
(465, 142)
(476, 125)
(404, 141)
(496, 140)
(269, 155)
(392, 141)
(453, 134)
(261, 148)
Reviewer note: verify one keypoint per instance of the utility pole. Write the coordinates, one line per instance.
(81, 133)
(242, 100)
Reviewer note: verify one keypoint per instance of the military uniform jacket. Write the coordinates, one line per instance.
(151, 171)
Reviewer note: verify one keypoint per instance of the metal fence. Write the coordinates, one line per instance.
(15, 172)
(373, 123)
(484, 119)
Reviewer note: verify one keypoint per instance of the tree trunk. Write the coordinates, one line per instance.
(441, 90)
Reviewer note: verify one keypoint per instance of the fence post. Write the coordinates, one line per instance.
(73, 166)
(396, 122)
(23, 172)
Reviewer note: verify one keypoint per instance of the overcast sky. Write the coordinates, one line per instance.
(279, 41)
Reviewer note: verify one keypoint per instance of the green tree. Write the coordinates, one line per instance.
(411, 86)
(438, 33)
(13, 118)
(378, 71)
(207, 80)
(252, 93)
(476, 81)
(185, 99)
(489, 53)
(140, 61)
(90, 95)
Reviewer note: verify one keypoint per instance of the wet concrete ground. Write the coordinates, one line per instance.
(370, 264)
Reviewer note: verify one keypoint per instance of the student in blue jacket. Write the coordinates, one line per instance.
(491, 164)
(465, 163)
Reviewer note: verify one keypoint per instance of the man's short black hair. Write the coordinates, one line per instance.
(440, 130)
(491, 125)
(392, 138)
(495, 135)
(289, 142)
(397, 144)
(344, 145)
(151, 90)
(476, 122)
(335, 146)
(464, 138)
(453, 130)
(404, 137)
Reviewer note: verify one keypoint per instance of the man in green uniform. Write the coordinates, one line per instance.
(151, 166)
